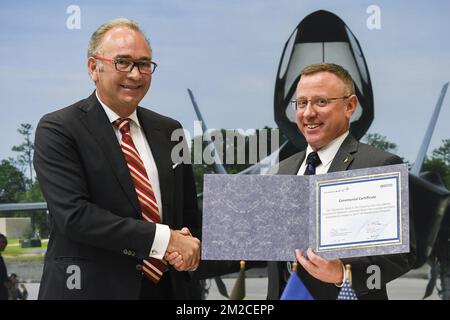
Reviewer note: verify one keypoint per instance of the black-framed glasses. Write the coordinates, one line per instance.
(127, 65)
(318, 101)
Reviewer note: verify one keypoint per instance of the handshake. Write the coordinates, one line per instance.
(183, 251)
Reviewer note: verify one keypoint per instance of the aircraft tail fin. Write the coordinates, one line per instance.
(427, 138)
(218, 166)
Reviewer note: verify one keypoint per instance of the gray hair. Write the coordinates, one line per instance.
(97, 36)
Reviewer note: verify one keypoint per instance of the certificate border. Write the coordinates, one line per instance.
(359, 179)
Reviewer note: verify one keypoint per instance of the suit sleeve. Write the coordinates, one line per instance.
(391, 266)
(59, 170)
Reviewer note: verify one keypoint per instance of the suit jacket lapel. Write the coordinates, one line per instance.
(342, 160)
(345, 155)
(98, 124)
(161, 151)
(292, 164)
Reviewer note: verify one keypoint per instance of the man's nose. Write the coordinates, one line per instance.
(134, 73)
(309, 111)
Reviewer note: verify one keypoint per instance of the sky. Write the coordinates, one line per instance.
(227, 52)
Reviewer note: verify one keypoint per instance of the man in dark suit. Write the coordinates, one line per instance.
(123, 213)
(3, 272)
(325, 102)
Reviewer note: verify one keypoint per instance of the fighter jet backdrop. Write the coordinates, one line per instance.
(323, 37)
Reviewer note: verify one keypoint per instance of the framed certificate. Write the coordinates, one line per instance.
(360, 212)
(342, 214)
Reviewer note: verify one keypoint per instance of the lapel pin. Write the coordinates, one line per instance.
(346, 160)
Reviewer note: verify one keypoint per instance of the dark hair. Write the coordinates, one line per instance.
(3, 242)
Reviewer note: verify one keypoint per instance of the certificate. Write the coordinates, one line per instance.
(344, 214)
(358, 212)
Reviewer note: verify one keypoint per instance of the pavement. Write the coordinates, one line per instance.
(411, 286)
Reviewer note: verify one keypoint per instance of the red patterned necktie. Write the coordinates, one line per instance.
(152, 268)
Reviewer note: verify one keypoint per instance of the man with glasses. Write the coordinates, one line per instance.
(325, 102)
(123, 217)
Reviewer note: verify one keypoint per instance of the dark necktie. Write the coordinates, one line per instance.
(312, 161)
(152, 268)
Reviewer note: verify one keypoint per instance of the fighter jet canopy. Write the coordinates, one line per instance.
(321, 37)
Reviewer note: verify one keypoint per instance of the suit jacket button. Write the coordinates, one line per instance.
(139, 267)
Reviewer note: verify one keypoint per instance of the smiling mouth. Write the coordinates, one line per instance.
(312, 126)
(130, 87)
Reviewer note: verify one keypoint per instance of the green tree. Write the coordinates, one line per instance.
(443, 152)
(12, 182)
(39, 219)
(379, 141)
(25, 149)
(438, 166)
(440, 162)
(231, 146)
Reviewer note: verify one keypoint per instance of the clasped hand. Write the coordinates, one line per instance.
(183, 251)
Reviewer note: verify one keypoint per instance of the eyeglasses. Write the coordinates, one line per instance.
(319, 101)
(127, 65)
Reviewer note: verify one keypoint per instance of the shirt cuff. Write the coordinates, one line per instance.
(339, 285)
(160, 242)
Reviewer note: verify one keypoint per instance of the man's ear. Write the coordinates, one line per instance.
(93, 68)
(352, 102)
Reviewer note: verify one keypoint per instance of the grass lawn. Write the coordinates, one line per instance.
(14, 252)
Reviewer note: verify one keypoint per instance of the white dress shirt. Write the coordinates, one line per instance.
(162, 235)
(326, 155)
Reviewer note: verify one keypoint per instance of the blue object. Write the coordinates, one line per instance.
(295, 289)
